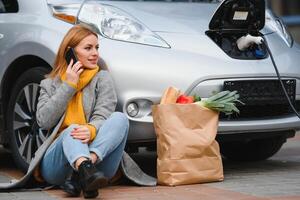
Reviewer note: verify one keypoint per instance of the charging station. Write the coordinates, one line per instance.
(234, 20)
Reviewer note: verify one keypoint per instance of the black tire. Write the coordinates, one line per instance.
(253, 150)
(25, 136)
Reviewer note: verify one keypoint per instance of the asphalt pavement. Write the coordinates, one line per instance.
(275, 178)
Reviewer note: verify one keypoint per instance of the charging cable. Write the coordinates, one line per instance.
(245, 42)
(279, 78)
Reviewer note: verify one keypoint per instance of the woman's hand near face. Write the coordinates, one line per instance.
(81, 133)
(73, 72)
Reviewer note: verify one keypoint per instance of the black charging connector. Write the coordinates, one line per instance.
(279, 79)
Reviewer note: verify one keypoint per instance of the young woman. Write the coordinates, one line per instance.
(80, 98)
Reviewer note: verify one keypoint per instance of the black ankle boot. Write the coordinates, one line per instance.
(90, 194)
(90, 179)
(72, 185)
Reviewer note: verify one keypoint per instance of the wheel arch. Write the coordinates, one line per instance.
(13, 72)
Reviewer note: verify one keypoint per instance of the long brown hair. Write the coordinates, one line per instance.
(71, 39)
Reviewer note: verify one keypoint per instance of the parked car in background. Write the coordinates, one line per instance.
(148, 46)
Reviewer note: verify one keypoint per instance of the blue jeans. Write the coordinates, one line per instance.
(109, 143)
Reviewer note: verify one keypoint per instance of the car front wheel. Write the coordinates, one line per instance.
(24, 133)
(253, 150)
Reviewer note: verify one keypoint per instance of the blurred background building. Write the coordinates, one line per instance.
(289, 11)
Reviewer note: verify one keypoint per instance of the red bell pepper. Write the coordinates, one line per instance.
(182, 99)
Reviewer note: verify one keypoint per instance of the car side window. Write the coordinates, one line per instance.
(9, 6)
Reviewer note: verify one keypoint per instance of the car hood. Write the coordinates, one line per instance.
(190, 18)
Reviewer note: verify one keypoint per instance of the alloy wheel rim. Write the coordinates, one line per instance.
(29, 136)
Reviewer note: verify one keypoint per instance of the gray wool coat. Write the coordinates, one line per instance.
(99, 102)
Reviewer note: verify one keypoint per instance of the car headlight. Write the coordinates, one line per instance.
(277, 25)
(286, 36)
(113, 23)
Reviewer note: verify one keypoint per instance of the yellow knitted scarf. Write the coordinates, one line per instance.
(74, 112)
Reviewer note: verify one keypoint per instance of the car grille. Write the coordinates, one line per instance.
(262, 98)
(262, 112)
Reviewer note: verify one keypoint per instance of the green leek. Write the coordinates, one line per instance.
(224, 101)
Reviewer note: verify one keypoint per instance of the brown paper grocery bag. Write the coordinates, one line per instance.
(186, 146)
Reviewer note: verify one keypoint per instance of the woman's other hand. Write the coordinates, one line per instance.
(73, 72)
(81, 133)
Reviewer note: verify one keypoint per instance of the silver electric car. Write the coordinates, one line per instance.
(148, 46)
